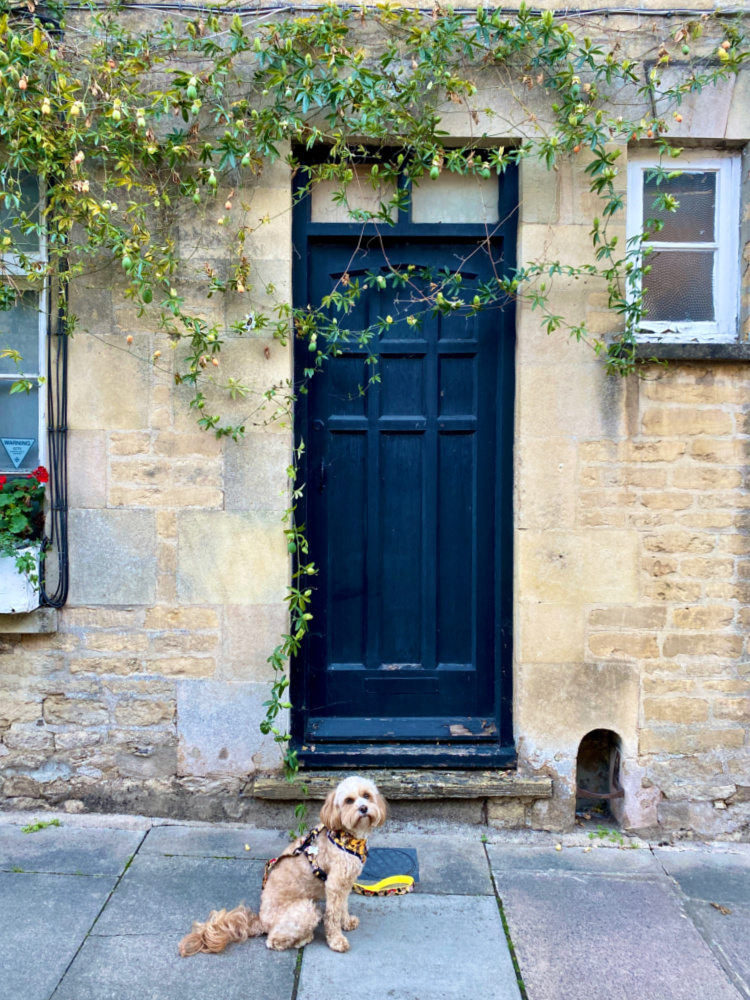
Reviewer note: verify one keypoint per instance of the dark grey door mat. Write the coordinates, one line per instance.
(382, 862)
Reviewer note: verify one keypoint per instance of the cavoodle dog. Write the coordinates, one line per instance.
(323, 865)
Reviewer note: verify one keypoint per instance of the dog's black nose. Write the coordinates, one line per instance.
(363, 810)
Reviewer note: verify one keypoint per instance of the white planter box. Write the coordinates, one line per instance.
(17, 594)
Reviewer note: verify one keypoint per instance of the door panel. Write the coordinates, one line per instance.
(402, 505)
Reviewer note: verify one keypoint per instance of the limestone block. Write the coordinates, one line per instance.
(144, 713)
(271, 284)
(161, 762)
(546, 477)
(551, 633)
(184, 642)
(735, 709)
(566, 400)
(20, 738)
(705, 644)
(559, 703)
(665, 421)
(251, 633)
(231, 558)
(677, 710)
(128, 618)
(106, 665)
(87, 469)
(651, 451)
(259, 365)
(255, 473)
(77, 711)
(679, 541)
(644, 617)
(703, 616)
(183, 666)
(691, 778)
(623, 646)
(538, 192)
(129, 442)
(705, 114)
(217, 726)
(112, 557)
(181, 618)
(198, 444)
(580, 566)
(108, 387)
(507, 813)
(681, 740)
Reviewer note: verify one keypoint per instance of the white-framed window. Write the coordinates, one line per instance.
(692, 289)
(23, 330)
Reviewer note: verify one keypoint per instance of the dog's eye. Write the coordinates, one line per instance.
(348, 802)
(365, 795)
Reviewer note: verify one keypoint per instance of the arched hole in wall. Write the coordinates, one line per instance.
(598, 773)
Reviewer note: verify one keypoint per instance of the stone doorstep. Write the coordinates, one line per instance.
(409, 784)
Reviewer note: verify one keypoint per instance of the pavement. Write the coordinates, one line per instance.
(93, 909)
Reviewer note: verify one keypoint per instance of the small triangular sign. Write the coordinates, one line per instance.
(17, 448)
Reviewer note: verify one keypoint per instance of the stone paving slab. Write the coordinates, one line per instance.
(415, 948)
(148, 968)
(729, 937)
(607, 939)
(447, 865)
(44, 920)
(215, 843)
(68, 851)
(165, 895)
(599, 860)
(715, 877)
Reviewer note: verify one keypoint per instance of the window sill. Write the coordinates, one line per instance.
(692, 351)
(43, 620)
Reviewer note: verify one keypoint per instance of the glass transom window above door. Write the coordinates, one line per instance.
(450, 199)
(691, 288)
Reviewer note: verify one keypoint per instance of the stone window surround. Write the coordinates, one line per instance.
(727, 165)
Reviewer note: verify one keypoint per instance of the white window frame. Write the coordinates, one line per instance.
(10, 267)
(724, 329)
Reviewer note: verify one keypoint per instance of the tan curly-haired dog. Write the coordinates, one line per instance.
(323, 865)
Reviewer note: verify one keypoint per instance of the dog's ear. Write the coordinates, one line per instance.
(330, 814)
(382, 809)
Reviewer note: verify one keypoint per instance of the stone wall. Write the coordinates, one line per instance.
(632, 543)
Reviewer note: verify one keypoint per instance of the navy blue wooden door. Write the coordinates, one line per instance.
(408, 497)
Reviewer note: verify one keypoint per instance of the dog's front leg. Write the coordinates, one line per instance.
(348, 922)
(336, 915)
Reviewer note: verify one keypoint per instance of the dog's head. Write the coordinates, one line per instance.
(355, 805)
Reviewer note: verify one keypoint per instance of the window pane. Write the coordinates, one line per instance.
(19, 330)
(680, 286)
(693, 222)
(9, 210)
(455, 198)
(19, 428)
(360, 195)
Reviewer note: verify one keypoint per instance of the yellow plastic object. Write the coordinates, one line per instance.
(395, 885)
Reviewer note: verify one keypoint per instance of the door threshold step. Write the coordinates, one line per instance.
(409, 784)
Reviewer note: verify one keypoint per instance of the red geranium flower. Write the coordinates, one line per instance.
(41, 474)
(3, 481)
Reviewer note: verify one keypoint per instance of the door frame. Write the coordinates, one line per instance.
(444, 754)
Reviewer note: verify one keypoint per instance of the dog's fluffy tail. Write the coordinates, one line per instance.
(222, 928)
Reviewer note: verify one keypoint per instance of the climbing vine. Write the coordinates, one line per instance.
(138, 122)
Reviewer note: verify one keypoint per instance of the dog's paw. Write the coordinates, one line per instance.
(338, 943)
(351, 924)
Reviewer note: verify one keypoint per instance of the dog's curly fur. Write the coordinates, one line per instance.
(288, 914)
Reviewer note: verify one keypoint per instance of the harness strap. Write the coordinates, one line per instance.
(344, 841)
